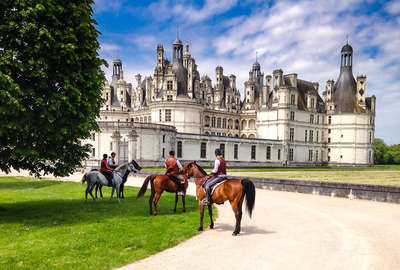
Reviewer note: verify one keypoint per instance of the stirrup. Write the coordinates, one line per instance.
(205, 201)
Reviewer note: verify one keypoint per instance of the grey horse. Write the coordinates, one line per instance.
(95, 177)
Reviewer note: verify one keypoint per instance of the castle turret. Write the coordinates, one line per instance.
(177, 67)
(160, 56)
(345, 90)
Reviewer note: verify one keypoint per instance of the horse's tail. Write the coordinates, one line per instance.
(250, 192)
(83, 180)
(143, 189)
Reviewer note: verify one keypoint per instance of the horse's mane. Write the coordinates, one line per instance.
(121, 167)
(200, 168)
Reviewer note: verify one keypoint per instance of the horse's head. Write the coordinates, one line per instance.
(131, 167)
(188, 169)
(136, 165)
(193, 169)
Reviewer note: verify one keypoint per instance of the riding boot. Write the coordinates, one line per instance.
(207, 198)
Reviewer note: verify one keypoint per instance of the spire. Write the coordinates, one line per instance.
(256, 56)
(177, 31)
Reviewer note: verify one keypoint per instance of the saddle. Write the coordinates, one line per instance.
(176, 179)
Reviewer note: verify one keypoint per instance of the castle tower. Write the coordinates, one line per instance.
(177, 67)
(345, 90)
(278, 78)
(160, 56)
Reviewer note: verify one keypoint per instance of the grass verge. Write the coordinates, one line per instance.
(46, 224)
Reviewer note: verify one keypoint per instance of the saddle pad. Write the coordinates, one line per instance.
(215, 186)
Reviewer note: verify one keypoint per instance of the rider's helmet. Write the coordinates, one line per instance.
(218, 152)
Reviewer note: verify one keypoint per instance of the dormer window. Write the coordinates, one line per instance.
(169, 85)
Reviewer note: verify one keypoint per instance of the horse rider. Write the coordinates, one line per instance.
(218, 175)
(172, 166)
(111, 161)
(106, 170)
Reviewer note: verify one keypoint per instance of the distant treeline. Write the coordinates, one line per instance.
(386, 154)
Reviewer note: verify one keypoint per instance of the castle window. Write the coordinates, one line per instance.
(305, 135)
(316, 155)
(317, 119)
(94, 136)
(169, 98)
(253, 152)
(311, 135)
(291, 154)
(311, 119)
(292, 116)
(291, 134)
(110, 146)
(149, 119)
(279, 154)
(222, 148)
(370, 137)
(312, 103)
(329, 131)
(310, 155)
(218, 122)
(329, 150)
(160, 114)
(329, 140)
(237, 124)
(224, 123)
(317, 137)
(169, 85)
(213, 121)
(203, 95)
(329, 120)
(207, 121)
(179, 149)
(93, 152)
(268, 152)
(141, 119)
(203, 150)
(163, 138)
(167, 115)
(235, 151)
(163, 152)
(292, 99)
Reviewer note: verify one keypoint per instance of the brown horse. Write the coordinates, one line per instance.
(234, 190)
(159, 183)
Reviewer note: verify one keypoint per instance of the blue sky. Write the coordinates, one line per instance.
(303, 37)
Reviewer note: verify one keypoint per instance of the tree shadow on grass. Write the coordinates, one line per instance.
(48, 212)
(27, 185)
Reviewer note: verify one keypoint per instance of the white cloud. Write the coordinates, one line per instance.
(393, 7)
(107, 5)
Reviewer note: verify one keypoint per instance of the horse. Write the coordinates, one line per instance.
(159, 184)
(99, 186)
(234, 190)
(94, 177)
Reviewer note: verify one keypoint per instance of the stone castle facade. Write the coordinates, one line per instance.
(281, 120)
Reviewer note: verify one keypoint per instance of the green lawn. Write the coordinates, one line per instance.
(46, 224)
(388, 175)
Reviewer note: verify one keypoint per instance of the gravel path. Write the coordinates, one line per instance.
(290, 231)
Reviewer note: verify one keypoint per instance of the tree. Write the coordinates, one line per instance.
(379, 152)
(50, 84)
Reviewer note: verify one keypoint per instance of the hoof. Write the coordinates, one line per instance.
(235, 233)
(199, 229)
(184, 210)
(211, 226)
(155, 214)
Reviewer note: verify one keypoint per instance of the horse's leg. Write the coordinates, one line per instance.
(101, 190)
(97, 187)
(201, 216)
(118, 190)
(211, 218)
(87, 191)
(153, 192)
(121, 190)
(237, 210)
(184, 203)
(90, 191)
(158, 195)
(176, 201)
(112, 193)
